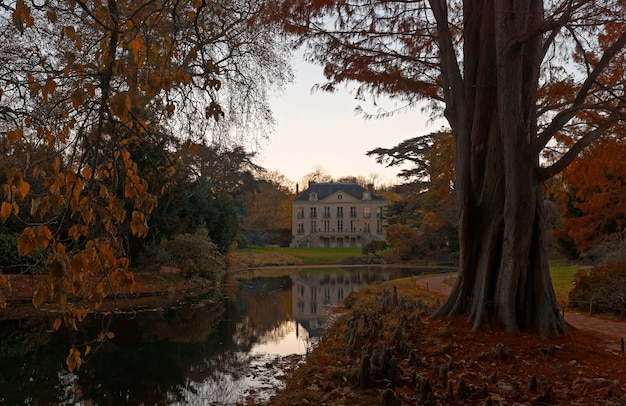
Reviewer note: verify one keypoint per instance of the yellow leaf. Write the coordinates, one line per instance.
(40, 295)
(70, 32)
(52, 16)
(22, 188)
(15, 135)
(5, 211)
(44, 235)
(73, 360)
(78, 98)
(26, 242)
(120, 105)
(56, 324)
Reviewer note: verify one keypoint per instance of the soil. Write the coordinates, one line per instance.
(440, 362)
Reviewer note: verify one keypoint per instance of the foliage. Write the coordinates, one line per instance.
(403, 240)
(373, 247)
(195, 255)
(601, 289)
(426, 202)
(94, 98)
(524, 85)
(594, 197)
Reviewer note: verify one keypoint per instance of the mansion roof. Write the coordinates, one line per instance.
(323, 190)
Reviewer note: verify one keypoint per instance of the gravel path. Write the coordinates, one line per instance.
(614, 330)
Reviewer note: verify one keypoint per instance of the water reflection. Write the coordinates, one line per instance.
(204, 350)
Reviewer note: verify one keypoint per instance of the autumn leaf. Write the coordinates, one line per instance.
(27, 242)
(78, 98)
(56, 324)
(73, 360)
(52, 16)
(14, 136)
(40, 295)
(5, 211)
(120, 105)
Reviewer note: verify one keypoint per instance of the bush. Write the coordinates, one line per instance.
(373, 247)
(604, 286)
(193, 254)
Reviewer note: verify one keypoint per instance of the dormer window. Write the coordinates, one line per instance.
(339, 197)
(312, 197)
(367, 195)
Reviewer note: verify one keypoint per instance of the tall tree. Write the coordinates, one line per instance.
(511, 78)
(97, 83)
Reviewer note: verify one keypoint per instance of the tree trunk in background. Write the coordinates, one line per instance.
(504, 277)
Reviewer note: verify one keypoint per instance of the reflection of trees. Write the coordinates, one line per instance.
(194, 353)
(264, 305)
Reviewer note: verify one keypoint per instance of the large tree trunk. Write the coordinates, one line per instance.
(504, 277)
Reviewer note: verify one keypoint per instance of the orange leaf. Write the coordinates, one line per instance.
(56, 324)
(87, 350)
(120, 105)
(5, 211)
(40, 295)
(110, 335)
(26, 242)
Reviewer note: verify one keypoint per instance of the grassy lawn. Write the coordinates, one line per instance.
(562, 277)
(311, 256)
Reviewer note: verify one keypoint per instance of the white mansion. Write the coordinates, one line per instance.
(337, 215)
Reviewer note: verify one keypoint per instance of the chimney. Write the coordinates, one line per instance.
(297, 188)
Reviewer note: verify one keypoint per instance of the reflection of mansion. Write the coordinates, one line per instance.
(337, 215)
(312, 295)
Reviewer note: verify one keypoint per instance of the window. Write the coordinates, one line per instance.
(367, 212)
(339, 197)
(366, 226)
(326, 212)
(353, 212)
(339, 212)
(340, 226)
(367, 195)
(353, 226)
(312, 197)
(313, 213)
(300, 212)
(313, 226)
(326, 224)
(300, 227)
(379, 226)
(379, 212)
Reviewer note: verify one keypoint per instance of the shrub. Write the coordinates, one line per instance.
(373, 247)
(604, 286)
(195, 255)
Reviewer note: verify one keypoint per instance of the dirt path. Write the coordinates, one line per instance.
(614, 330)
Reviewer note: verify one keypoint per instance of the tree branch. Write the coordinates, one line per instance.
(563, 117)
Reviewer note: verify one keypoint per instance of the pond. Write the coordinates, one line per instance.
(212, 349)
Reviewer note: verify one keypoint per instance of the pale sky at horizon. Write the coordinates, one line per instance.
(322, 129)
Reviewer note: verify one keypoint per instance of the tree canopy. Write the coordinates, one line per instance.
(516, 81)
(95, 98)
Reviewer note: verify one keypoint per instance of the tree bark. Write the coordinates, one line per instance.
(504, 277)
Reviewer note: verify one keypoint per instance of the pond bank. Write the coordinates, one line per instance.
(388, 351)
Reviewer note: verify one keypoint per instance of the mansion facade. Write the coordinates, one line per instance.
(335, 215)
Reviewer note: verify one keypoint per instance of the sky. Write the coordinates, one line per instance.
(322, 129)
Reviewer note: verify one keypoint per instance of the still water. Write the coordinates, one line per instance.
(214, 349)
